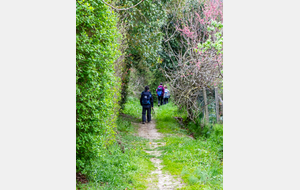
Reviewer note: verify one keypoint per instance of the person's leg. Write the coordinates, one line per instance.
(149, 114)
(161, 100)
(164, 101)
(144, 115)
(167, 100)
(158, 100)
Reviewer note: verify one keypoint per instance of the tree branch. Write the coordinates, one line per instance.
(122, 9)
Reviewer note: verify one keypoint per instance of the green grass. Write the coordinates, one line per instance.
(165, 119)
(198, 162)
(133, 108)
(114, 169)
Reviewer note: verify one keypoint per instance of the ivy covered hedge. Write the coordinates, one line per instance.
(97, 88)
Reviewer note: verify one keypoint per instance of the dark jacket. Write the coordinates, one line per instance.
(151, 99)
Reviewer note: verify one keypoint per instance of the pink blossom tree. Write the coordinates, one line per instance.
(200, 62)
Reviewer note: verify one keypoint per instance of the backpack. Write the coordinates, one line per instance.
(146, 98)
(159, 91)
(167, 93)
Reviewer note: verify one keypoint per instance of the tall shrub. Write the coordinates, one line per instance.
(96, 84)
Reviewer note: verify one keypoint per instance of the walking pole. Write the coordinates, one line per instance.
(153, 110)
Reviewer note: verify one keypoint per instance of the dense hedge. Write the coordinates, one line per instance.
(97, 87)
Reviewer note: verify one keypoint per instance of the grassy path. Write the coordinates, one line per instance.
(199, 162)
(158, 179)
(159, 155)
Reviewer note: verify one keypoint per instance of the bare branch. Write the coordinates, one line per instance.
(121, 9)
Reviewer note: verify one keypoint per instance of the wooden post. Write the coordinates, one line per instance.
(217, 105)
(206, 106)
(221, 108)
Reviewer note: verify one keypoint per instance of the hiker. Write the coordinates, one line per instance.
(160, 94)
(146, 101)
(166, 95)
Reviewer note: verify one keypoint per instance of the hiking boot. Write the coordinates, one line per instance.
(143, 122)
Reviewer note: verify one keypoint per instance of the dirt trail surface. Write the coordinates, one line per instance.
(158, 179)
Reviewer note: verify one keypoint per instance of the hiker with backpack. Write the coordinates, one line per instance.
(160, 94)
(166, 95)
(146, 101)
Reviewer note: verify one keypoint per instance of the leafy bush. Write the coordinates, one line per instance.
(96, 86)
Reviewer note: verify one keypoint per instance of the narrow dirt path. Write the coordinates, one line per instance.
(158, 180)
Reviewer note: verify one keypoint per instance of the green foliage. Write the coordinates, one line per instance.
(144, 33)
(144, 38)
(217, 43)
(96, 85)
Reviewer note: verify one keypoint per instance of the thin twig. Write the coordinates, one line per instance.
(122, 9)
